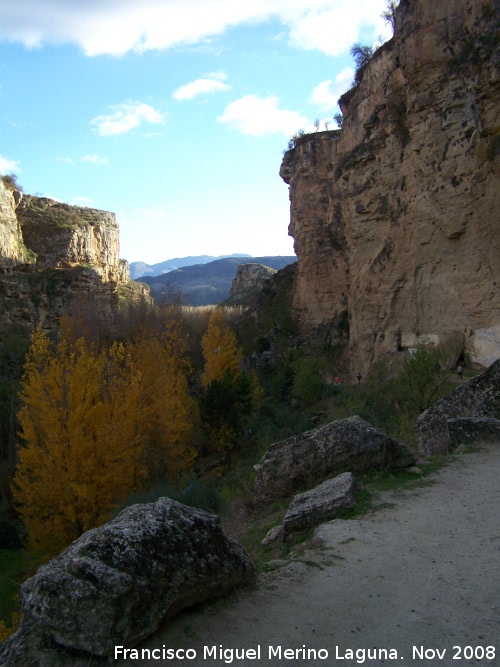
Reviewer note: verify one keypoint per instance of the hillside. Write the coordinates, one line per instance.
(210, 283)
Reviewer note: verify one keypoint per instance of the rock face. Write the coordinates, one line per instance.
(350, 444)
(12, 250)
(322, 503)
(479, 397)
(51, 253)
(470, 430)
(250, 279)
(64, 236)
(115, 584)
(395, 216)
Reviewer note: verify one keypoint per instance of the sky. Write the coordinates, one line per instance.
(173, 114)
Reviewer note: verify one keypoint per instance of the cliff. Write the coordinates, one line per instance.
(395, 216)
(54, 254)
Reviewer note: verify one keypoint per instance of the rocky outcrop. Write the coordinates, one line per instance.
(52, 255)
(320, 504)
(344, 445)
(116, 583)
(478, 397)
(394, 217)
(64, 236)
(12, 249)
(249, 281)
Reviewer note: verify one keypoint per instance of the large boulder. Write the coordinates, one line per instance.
(473, 430)
(478, 397)
(304, 460)
(322, 503)
(116, 583)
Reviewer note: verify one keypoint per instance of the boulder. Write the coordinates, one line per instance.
(115, 584)
(478, 397)
(471, 430)
(322, 503)
(304, 460)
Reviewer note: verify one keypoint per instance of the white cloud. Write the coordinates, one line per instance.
(326, 94)
(94, 159)
(214, 83)
(8, 166)
(125, 117)
(258, 117)
(66, 160)
(117, 26)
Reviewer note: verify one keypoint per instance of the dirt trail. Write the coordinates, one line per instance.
(423, 571)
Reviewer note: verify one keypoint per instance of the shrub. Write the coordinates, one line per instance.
(10, 182)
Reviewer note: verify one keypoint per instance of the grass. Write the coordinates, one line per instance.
(254, 522)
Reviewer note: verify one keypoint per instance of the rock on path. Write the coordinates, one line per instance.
(422, 571)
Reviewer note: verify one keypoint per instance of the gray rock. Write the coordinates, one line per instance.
(115, 584)
(478, 397)
(320, 504)
(273, 535)
(309, 458)
(470, 430)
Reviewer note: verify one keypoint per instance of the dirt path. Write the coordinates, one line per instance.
(421, 572)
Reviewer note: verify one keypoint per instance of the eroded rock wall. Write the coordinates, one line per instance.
(52, 255)
(396, 217)
(12, 250)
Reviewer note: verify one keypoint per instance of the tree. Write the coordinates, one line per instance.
(220, 350)
(228, 390)
(82, 439)
(168, 412)
(389, 14)
(422, 377)
(362, 55)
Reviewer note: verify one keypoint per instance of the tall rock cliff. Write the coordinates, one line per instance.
(53, 254)
(396, 217)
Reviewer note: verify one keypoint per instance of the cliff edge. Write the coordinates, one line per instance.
(53, 253)
(395, 216)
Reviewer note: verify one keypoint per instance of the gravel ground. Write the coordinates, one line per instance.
(415, 583)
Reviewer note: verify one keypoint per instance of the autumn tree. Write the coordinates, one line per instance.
(82, 439)
(220, 349)
(168, 412)
(228, 390)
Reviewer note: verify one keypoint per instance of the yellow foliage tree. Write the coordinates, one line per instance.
(220, 350)
(82, 440)
(167, 410)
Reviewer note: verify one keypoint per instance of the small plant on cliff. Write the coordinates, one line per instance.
(339, 119)
(362, 55)
(389, 13)
(10, 182)
(295, 140)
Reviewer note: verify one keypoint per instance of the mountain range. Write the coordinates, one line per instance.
(139, 269)
(207, 283)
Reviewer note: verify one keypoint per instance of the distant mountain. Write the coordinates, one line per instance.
(139, 269)
(209, 283)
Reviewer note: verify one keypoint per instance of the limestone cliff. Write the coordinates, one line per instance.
(249, 281)
(53, 253)
(396, 216)
(12, 249)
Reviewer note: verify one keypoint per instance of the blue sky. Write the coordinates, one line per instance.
(173, 113)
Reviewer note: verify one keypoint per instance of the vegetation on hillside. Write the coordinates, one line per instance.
(167, 400)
